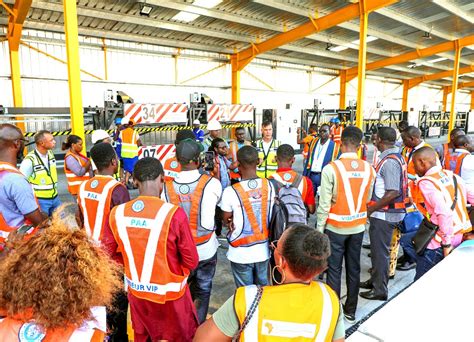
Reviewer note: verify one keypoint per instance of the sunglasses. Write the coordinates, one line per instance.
(274, 244)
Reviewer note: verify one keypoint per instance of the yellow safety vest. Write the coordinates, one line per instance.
(44, 179)
(269, 164)
(299, 312)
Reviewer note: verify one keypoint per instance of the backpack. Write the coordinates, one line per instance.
(288, 208)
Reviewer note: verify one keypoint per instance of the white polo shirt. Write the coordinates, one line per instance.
(210, 197)
(319, 154)
(230, 202)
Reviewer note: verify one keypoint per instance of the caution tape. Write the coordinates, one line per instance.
(372, 122)
(147, 129)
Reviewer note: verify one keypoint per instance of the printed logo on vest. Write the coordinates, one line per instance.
(286, 177)
(30, 332)
(354, 164)
(94, 184)
(252, 184)
(174, 164)
(184, 189)
(43, 181)
(138, 206)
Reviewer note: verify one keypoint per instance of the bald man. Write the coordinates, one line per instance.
(438, 189)
(17, 201)
(447, 149)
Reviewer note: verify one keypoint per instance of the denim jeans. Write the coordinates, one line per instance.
(200, 285)
(48, 206)
(407, 246)
(316, 180)
(250, 274)
(427, 261)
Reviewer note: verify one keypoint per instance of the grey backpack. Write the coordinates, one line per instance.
(288, 208)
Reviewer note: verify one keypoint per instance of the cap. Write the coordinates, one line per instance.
(118, 121)
(196, 122)
(188, 150)
(124, 121)
(213, 125)
(98, 135)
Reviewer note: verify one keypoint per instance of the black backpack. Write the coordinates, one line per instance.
(288, 208)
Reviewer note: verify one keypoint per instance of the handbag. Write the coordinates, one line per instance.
(427, 230)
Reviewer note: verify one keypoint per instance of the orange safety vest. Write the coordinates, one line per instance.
(454, 162)
(171, 168)
(409, 160)
(446, 155)
(129, 139)
(191, 203)
(94, 199)
(336, 133)
(306, 144)
(74, 181)
(288, 177)
(233, 148)
(354, 177)
(12, 330)
(259, 229)
(443, 181)
(141, 228)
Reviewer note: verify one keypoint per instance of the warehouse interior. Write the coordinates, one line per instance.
(72, 67)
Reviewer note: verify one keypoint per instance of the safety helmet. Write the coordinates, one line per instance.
(118, 121)
(213, 125)
(126, 121)
(335, 120)
(98, 135)
(196, 122)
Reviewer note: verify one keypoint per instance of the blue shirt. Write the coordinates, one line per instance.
(16, 198)
(199, 133)
(224, 164)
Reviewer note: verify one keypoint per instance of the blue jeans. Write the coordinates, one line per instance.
(48, 206)
(200, 285)
(407, 246)
(316, 180)
(427, 261)
(250, 274)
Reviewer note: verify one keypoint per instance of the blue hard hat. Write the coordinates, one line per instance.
(118, 121)
(335, 120)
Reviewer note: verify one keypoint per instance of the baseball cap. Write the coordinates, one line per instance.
(188, 150)
(99, 134)
(196, 122)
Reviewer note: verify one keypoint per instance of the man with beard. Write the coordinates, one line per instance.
(17, 201)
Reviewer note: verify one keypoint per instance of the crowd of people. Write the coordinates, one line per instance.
(156, 254)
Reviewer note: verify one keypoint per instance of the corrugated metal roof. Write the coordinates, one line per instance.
(235, 24)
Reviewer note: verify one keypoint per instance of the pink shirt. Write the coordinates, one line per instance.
(440, 211)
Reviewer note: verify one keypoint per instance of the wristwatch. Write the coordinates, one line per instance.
(446, 246)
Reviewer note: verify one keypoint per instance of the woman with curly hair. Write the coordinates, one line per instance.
(54, 287)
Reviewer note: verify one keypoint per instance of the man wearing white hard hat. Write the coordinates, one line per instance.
(198, 132)
(214, 127)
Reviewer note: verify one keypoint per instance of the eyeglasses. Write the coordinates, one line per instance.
(274, 244)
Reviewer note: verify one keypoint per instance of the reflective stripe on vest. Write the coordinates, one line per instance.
(453, 162)
(191, 203)
(171, 168)
(353, 178)
(43, 180)
(269, 164)
(443, 181)
(74, 181)
(141, 229)
(311, 316)
(336, 133)
(129, 139)
(259, 229)
(94, 198)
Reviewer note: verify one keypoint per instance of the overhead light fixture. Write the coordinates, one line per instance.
(185, 16)
(338, 48)
(328, 46)
(145, 9)
(426, 35)
(437, 60)
(353, 44)
(207, 3)
(412, 66)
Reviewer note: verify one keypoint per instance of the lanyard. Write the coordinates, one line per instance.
(319, 149)
(265, 154)
(44, 166)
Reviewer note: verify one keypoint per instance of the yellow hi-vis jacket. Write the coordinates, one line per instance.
(299, 312)
(269, 164)
(129, 139)
(44, 179)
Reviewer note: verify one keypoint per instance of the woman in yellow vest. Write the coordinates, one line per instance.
(299, 308)
(55, 286)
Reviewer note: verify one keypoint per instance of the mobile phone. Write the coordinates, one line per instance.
(208, 161)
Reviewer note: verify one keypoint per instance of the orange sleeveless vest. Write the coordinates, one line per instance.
(74, 181)
(171, 168)
(141, 228)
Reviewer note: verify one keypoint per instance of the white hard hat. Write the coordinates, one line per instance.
(213, 125)
(98, 135)
(196, 122)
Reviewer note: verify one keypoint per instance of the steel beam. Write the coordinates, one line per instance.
(235, 88)
(451, 7)
(405, 95)
(342, 89)
(472, 100)
(405, 57)
(346, 13)
(74, 70)
(417, 80)
(445, 98)
(106, 69)
(364, 21)
(452, 113)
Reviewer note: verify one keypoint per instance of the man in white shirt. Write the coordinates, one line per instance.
(464, 160)
(247, 209)
(198, 195)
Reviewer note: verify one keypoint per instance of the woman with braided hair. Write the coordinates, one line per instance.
(298, 308)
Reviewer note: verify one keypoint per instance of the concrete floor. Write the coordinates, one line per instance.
(223, 284)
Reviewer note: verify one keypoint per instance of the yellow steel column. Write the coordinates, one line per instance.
(445, 97)
(454, 89)
(106, 69)
(16, 84)
(405, 96)
(364, 18)
(342, 89)
(235, 79)
(472, 100)
(73, 69)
